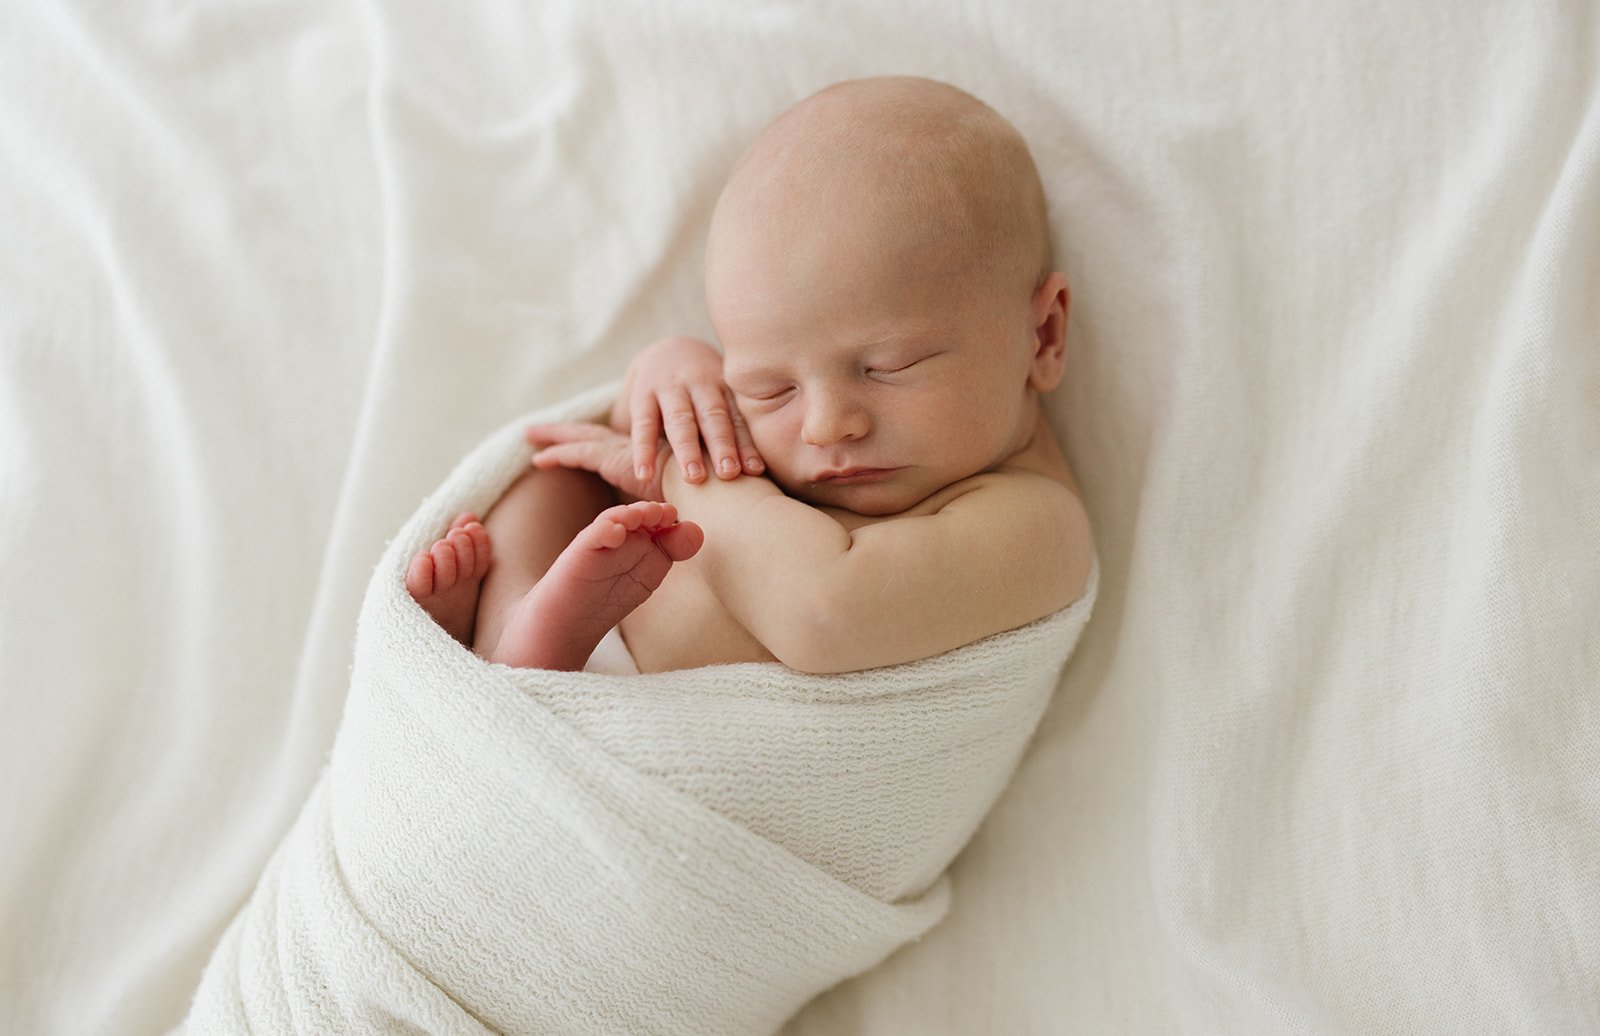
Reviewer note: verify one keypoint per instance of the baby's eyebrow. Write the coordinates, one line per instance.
(892, 338)
(736, 371)
(905, 343)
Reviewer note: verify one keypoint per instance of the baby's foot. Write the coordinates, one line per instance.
(445, 578)
(607, 571)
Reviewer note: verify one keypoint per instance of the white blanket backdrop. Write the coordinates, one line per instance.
(1328, 757)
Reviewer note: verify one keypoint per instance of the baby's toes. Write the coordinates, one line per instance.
(614, 533)
(681, 541)
(628, 516)
(466, 553)
(606, 532)
(463, 519)
(444, 565)
(419, 577)
(649, 513)
(480, 548)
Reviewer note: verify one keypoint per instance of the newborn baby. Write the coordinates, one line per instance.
(879, 275)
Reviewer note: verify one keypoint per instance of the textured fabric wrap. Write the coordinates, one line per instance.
(696, 851)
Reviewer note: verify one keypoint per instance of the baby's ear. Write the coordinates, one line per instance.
(1049, 333)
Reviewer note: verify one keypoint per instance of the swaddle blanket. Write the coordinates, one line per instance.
(688, 852)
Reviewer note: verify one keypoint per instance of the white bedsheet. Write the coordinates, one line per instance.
(1327, 759)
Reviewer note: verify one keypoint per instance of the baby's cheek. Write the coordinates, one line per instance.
(767, 434)
(775, 444)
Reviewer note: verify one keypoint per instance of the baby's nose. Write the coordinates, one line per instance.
(831, 421)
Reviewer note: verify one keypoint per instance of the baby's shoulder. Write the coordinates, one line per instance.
(1029, 515)
(1012, 493)
(1015, 543)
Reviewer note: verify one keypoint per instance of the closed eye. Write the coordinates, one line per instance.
(766, 396)
(902, 367)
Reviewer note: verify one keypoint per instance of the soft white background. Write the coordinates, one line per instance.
(1328, 757)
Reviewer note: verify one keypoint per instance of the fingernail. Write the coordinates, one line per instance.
(644, 473)
(728, 466)
(754, 465)
(696, 471)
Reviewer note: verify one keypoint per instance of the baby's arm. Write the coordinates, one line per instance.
(825, 599)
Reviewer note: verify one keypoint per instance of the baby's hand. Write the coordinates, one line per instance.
(675, 385)
(596, 448)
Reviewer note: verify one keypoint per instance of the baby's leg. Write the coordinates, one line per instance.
(566, 568)
(468, 592)
(607, 571)
(531, 524)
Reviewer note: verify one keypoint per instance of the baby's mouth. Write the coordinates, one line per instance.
(854, 476)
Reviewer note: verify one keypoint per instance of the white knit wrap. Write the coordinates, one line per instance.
(698, 851)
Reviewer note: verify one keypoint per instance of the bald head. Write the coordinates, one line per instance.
(912, 167)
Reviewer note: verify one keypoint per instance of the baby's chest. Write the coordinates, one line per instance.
(683, 625)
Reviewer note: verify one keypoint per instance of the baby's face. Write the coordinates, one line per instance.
(870, 377)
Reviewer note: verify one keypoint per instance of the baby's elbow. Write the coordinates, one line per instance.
(816, 637)
(816, 659)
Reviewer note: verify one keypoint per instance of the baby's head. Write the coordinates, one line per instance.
(879, 275)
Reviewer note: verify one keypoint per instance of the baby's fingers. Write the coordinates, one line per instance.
(585, 455)
(716, 428)
(749, 456)
(565, 431)
(683, 432)
(646, 434)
